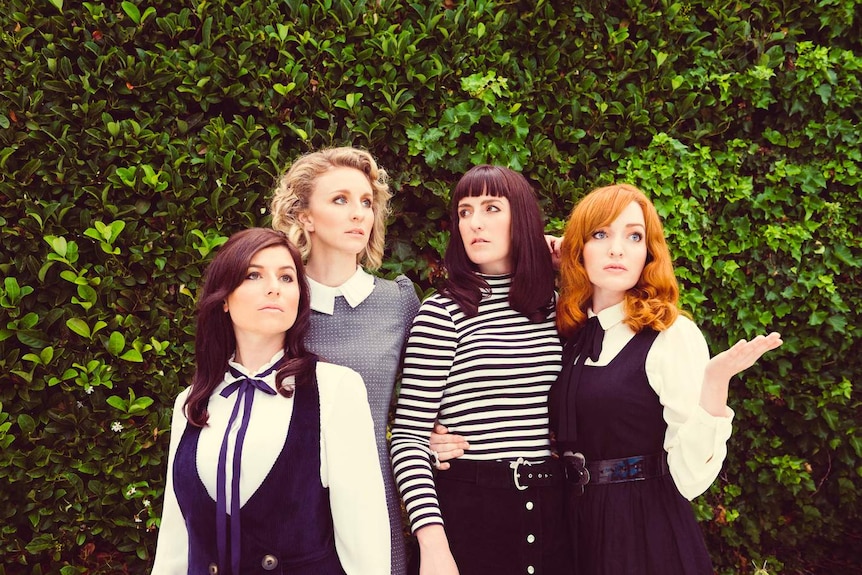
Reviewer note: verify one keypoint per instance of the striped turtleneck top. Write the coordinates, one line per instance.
(484, 377)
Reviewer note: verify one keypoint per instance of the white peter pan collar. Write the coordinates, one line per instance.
(358, 287)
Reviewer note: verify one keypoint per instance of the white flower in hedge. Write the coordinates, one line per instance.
(131, 491)
(88, 389)
(117, 427)
(146, 502)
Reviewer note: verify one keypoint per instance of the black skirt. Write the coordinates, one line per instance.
(495, 527)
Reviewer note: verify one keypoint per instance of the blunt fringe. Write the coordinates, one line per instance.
(532, 291)
(294, 188)
(653, 302)
(215, 342)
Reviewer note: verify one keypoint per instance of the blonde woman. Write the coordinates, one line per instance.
(333, 205)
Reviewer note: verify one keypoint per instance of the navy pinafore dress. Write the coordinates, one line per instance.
(286, 524)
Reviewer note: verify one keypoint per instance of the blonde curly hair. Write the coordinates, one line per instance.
(294, 188)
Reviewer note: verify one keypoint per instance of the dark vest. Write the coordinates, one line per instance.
(619, 414)
(287, 522)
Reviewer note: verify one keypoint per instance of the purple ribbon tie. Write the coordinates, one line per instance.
(246, 387)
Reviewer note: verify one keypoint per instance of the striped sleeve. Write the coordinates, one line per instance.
(429, 356)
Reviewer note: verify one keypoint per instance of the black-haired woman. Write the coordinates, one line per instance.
(481, 357)
(272, 465)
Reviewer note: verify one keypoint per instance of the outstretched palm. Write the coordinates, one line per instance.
(742, 355)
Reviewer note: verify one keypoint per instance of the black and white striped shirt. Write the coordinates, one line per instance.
(486, 377)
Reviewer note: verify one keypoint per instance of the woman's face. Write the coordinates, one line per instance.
(615, 256)
(265, 305)
(485, 223)
(340, 212)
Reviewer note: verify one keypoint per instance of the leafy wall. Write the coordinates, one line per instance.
(136, 136)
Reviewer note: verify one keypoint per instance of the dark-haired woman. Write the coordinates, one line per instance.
(481, 357)
(272, 464)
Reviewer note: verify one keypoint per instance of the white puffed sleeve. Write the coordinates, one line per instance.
(696, 442)
(172, 546)
(351, 469)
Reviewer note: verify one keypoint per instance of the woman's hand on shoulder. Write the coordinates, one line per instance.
(555, 244)
(446, 445)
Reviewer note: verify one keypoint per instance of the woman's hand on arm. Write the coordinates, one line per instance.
(742, 355)
(435, 557)
(446, 445)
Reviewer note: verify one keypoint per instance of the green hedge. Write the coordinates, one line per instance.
(136, 136)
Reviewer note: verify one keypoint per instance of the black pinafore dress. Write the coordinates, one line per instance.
(643, 527)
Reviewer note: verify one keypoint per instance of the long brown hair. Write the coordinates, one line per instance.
(532, 291)
(215, 341)
(653, 302)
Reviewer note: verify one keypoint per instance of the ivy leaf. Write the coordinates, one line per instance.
(117, 403)
(132, 12)
(43, 542)
(140, 404)
(132, 355)
(843, 253)
(116, 343)
(79, 326)
(26, 423)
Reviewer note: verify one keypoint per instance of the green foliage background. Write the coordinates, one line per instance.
(136, 136)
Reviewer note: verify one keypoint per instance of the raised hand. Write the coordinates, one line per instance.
(742, 355)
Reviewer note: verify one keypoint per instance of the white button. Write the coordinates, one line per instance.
(529, 505)
(531, 538)
(531, 570)
(269, 562)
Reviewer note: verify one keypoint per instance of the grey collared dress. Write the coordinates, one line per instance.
(370, 339)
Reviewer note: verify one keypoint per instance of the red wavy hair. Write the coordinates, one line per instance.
(653, 302)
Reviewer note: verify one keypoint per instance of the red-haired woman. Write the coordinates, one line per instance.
(272, 464)
(639, 410)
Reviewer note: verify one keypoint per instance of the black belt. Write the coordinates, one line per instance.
(635, 468)
(519, 474)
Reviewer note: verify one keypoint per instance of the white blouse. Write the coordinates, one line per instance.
(348, 466)
(695, 441)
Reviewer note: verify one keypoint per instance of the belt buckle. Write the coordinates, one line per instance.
(576, 470)
(515, 475)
